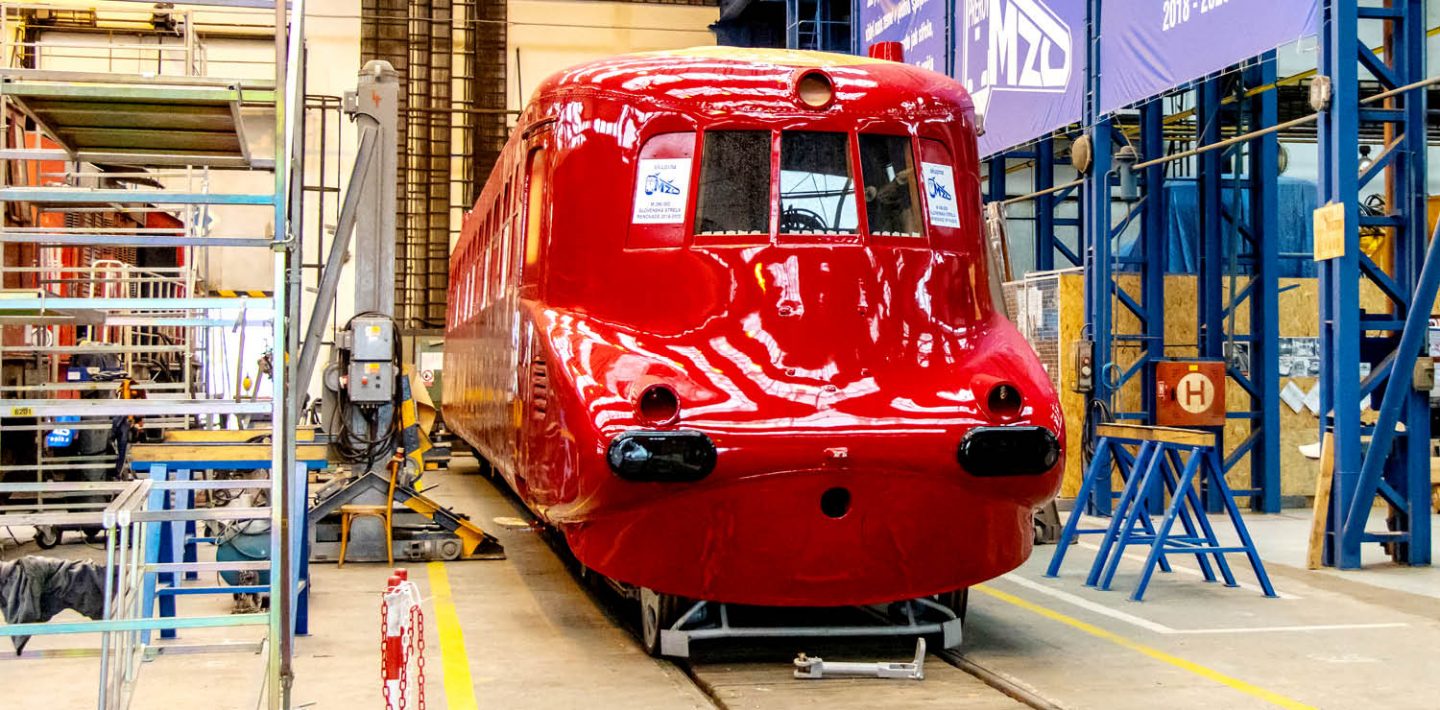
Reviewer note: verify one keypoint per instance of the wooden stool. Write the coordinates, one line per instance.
(386, 513)
(348, 514)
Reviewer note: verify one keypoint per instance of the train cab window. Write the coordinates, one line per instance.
(891, 202)
(734, 183)
(534, 211)
(817, 191)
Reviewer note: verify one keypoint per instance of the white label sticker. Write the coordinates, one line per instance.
(661, 191)
(940, 195)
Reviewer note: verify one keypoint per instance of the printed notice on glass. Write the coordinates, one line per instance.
(940, 195)
(661, 191)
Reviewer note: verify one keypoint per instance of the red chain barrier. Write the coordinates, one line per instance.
(402, 637)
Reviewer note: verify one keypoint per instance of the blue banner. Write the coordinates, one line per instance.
(1023, 62)
(1149, 46)
(918, 25)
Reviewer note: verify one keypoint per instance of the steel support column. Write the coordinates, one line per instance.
(1155, 255)
(1095, 237)
(1395, 466)
(1209, 186)
(996, 178)
(1264, 336)
(1210, 183)
(1043, 178)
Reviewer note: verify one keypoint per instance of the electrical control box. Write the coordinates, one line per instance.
(1082, 359)
(1190, 393)
(372, 338)
(371, 382)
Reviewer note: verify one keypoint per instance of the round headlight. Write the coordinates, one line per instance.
(815, 89)
(658, 405)
(1004, 401)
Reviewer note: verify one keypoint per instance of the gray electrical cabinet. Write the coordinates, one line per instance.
(372, 381)
(373, 339)
(372, 357)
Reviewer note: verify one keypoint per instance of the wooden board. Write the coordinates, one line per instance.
(220, 456)
(228, 436)
(1168, 435)
(1322, 502)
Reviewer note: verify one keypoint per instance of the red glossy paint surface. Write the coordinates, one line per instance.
(812, 361)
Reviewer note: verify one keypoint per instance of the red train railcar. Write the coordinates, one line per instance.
(725, 318)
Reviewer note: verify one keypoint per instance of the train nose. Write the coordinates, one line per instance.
(1008, 451)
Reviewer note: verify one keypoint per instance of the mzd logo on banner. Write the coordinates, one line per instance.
(1023, 62)
(918, 25)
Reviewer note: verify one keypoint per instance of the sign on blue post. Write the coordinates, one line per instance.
(918, 25)
(1023, 62)
(1149, 46)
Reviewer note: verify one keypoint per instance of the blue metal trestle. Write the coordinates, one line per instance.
(1173, 462)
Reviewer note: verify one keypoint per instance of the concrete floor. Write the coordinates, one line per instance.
(524, 633)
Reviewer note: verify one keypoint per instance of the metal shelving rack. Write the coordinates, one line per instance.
(158, 121)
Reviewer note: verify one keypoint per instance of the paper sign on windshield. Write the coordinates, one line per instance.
(940, 194)
(662, 191)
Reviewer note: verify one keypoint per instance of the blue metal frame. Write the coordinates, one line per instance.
(1159, 466)
(1239, 263)
(1395, 466)
(1095, 197)
(1048, 225)
(1245, 254)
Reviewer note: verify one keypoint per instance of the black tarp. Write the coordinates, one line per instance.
(34, 589)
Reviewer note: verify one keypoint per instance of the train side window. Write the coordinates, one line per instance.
(943, 200)
(662, 191)
(817, 191)
(892, 205)
(534, 215)
(734, 195)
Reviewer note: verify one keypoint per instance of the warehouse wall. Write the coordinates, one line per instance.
(545, 36)
(549, 35)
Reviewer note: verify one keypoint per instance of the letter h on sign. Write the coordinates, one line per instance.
(1190, 393)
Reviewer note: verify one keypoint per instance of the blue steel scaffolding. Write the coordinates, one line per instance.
(1384, 453)
(1052, 248)
(1237, 258)
(1395, 465)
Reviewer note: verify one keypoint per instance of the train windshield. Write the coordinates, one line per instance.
(734, 183)
(817, 191)
(891, 202)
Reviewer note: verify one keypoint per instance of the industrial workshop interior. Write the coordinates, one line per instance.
(719, 354)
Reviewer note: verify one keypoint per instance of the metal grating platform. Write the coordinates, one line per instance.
(139, 120)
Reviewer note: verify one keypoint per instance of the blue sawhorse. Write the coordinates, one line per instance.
(1179, 462)
(1096, 483)
(170, 544)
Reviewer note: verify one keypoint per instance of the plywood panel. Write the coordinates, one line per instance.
(1299, 318)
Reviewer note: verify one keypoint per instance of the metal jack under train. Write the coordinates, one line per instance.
(726, 319)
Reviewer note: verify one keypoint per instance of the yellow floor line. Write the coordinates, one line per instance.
(454, 663)
(1202, 671)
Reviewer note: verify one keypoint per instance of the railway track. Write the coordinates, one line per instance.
(743, 675)
(756, 674)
